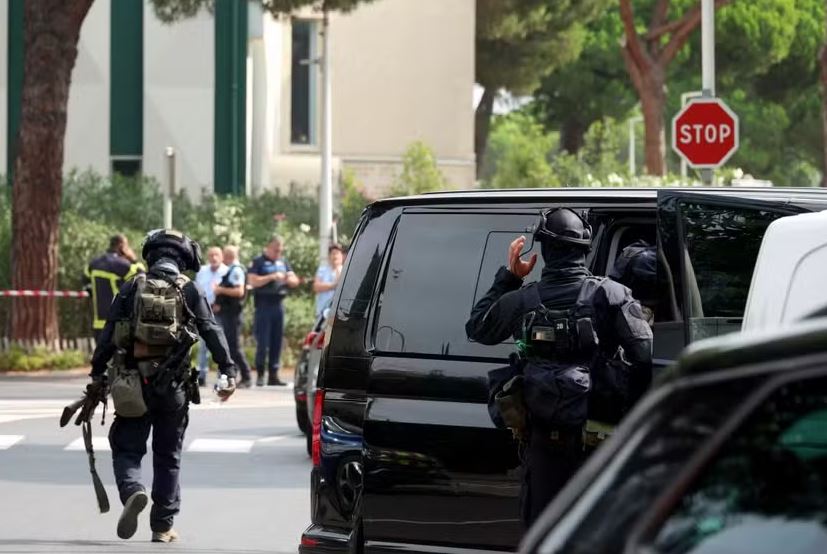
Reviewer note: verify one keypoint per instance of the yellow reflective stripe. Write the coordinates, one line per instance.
(97, 322)
(134, 269)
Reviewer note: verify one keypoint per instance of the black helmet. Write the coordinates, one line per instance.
(636, 267)
(563, 226)
(187, 250)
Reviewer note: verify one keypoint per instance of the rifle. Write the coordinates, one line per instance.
(94, 394)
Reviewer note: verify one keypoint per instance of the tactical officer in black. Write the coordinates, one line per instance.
(585, 351)
(156, 385)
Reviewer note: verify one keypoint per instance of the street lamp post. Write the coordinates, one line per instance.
(326, 184)
(708, 64)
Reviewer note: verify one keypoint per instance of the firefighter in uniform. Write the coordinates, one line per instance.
(104, 276)
(585, 354)
(144, 357)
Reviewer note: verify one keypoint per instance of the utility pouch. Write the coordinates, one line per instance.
(511, 406)
(126, 390)
(192, 383)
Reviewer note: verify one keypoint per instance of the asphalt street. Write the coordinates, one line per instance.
(245, 475)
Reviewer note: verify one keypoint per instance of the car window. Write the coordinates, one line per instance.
(439, 265)
(721, 246)
(766, 490)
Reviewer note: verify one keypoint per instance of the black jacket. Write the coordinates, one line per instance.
(196, 300)
(619, 320)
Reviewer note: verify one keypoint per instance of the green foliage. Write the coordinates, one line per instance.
(420, 172)
(5, 234)
(352, 203)
(18, 359)
(518, 153)
(520, 41)
(588, 89)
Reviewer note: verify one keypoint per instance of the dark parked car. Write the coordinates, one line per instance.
(405, 455)
(729, 456)
(307, 370)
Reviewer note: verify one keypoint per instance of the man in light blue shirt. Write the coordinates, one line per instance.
(327, 276)
(209, 276)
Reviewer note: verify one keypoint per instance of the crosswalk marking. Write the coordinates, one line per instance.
(235, 446)
(100, 444)
(7, 441)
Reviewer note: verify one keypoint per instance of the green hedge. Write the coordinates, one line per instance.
(17, 359)
(95, 207)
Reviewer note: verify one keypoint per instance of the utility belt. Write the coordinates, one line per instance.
(590, 436)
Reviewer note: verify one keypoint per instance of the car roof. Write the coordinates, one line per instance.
(745, 348)
(784, 195)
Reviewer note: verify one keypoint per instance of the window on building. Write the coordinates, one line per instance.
(303, 83)
(126, 166)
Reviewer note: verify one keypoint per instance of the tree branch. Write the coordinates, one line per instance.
(659, 15)
(633, 45)
(634, 70)
(683, 29)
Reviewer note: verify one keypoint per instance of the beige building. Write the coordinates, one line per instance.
(243, 115)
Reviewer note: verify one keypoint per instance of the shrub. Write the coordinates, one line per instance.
(18, 359)
(420, 172)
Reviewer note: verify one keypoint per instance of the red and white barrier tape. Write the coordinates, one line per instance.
(46, 293)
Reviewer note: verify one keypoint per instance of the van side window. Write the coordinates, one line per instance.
(432, 278)
(721, 246)
(767, 486)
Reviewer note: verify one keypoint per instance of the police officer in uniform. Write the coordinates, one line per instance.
(570, 326)
(166, 391)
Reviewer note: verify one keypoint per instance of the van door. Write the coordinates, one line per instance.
(707, 248)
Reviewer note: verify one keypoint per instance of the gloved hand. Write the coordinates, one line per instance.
(226, 392)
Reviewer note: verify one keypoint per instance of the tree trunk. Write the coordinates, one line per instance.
(482, 125)
(51, 31)
(652, 103)
(572, 135)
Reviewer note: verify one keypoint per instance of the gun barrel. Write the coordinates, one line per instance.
(70, 410)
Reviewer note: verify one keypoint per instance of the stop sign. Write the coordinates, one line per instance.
(705, 133)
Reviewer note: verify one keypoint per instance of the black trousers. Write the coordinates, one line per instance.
(167, 417)
(231, 323)
(551, 458)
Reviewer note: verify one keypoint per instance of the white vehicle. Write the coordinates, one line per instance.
(790, 278)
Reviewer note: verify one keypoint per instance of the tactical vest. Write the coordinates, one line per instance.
(159, 317)
(230, 305)
(568, 377)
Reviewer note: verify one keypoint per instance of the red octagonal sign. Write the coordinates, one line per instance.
(705, 133)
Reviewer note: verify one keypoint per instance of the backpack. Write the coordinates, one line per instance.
(159, 315)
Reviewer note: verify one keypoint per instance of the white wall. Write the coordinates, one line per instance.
(179, 77)
(87, 129)
(4, 54)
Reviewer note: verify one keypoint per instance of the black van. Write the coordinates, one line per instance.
(405, 455)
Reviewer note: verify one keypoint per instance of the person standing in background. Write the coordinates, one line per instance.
(327, 277)
(208, 277)
(105, 275)
(229, 308)
(271, 277)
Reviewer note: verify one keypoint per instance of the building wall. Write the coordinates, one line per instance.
(179, 78)
(87, 127)
(402, 72)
